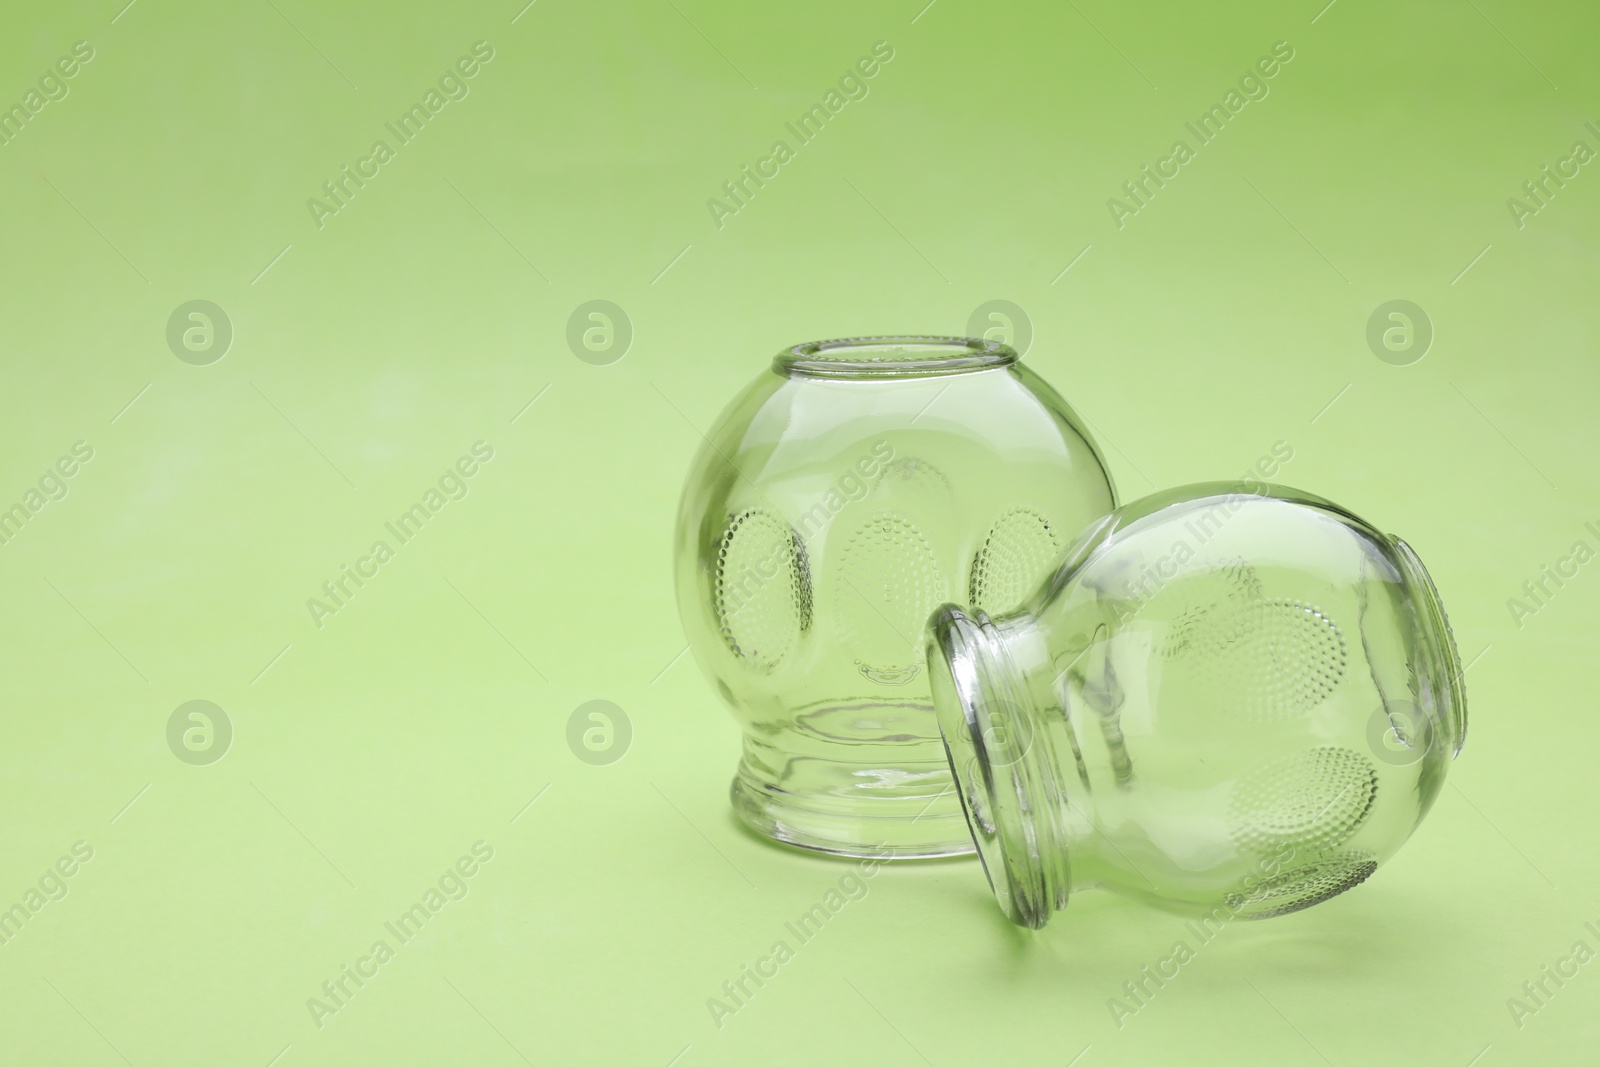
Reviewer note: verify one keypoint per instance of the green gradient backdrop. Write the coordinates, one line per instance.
(369, 754)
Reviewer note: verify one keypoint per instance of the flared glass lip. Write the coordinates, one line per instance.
(1447, 683)
(893, 356)
(1000, 762)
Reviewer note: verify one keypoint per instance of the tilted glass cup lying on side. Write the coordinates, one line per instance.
(1235, 700)
(844, 495)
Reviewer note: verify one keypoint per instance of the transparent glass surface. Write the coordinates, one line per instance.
(843, 496)
(1234, 701)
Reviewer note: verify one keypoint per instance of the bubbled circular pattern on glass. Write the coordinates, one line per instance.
(1274, 658)
(1017, 554)
(1193, 604)
(1302, 886)
(763, 588)
(1313, 799)
(887, 584)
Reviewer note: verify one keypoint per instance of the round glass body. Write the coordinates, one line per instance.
(841, 498)
(1231, 700)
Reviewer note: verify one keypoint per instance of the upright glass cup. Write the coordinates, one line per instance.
(841, 497)
(1231, 700)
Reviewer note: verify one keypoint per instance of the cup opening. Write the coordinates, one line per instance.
(892, 356)
(1000, 761)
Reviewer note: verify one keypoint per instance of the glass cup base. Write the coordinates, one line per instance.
(815, 803)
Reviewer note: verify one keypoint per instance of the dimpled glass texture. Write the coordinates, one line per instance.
(850, 490)
(1232, 701)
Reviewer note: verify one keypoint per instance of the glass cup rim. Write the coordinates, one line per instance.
(893, 356)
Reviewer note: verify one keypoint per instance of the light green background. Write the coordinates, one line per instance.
(1226, 316)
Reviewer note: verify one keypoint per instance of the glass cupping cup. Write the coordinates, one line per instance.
(1231, 700)
(849, 490)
